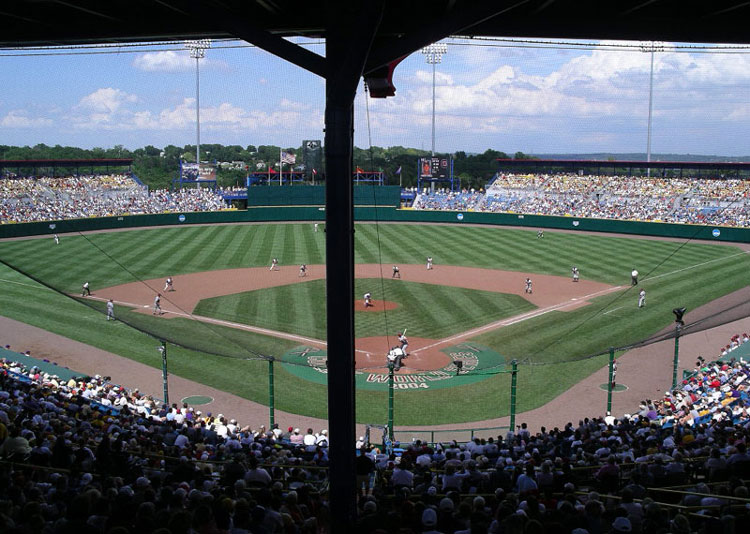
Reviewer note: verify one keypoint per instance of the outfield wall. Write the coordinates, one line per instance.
(379, 214)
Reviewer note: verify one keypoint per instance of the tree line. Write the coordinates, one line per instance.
(157, 167)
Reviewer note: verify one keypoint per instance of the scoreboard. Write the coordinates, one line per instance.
(435, 168)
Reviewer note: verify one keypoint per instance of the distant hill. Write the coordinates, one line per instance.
(635, 156)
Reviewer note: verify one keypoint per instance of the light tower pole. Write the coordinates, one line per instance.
(433, 55)
(198, 51)
(651, 47)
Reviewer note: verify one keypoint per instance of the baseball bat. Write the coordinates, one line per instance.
(404, 332)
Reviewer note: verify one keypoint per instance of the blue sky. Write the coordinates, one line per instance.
(499, 95)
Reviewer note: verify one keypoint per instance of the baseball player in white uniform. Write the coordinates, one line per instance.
(574, 270)
(303, 270)
(634, 277)
(396, 272)
(168, 284)
(528, 289)
(404, 343)
(85, 291)
(57, 240)
(274, 265)
(642, 298)
(110, 310)
(368, 299)
(157, 305)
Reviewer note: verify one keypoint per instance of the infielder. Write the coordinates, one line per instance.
(157, 305)
(85, 291)
(396, 272)
(368, 299)
(429, 263)
(303, 270)
(642, 298)
(634, 277)
(110, 310)
(574, 270)
(274, 265)
(528, 289)
(168, 285)
(57, 240)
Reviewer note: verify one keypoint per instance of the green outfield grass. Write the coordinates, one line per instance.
(427, 310)
(673, 274)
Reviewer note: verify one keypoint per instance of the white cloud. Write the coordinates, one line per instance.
(167, 61)
(19, 118)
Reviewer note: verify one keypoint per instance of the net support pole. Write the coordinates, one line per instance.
(609, 379)
(271, 403)
(513, 381)
(165, 383)
(676, 355)
(390, 400)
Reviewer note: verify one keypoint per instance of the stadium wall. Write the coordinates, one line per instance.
(372, 213)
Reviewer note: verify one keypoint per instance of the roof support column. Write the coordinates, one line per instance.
(348, 42)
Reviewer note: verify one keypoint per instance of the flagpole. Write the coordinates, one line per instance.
(281, 166)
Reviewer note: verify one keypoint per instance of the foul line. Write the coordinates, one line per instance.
(696, 265)
(221, 322)
(517, 318)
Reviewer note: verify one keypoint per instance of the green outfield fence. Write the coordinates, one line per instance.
(374, 213)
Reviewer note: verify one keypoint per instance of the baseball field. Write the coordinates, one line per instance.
(229, 312)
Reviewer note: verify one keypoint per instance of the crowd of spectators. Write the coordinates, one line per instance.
(99, 195)
(86, 455)
(674, 200)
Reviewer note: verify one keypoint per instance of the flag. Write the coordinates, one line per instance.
(315, 171)
(271, 171)
(359, 170)
(288, 157)
(398, 171)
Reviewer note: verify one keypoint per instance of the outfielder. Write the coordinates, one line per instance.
(303, 270)
(396, 272)
(574, 270)
(642, 298)
(528, 289)
(274, 265)
(368, 299)
(540, 234)
(57, 240)
(429, 263)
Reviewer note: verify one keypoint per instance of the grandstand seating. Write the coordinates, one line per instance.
(100, 195)
(698, 201)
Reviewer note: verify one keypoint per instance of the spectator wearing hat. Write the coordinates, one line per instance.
(429, 521)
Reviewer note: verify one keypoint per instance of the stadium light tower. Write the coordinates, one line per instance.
(198, 51)
(650, 46)
(433, 55)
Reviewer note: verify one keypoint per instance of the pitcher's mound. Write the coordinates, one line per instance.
(377, 305)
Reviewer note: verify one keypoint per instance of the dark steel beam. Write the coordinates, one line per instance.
(349, 37)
